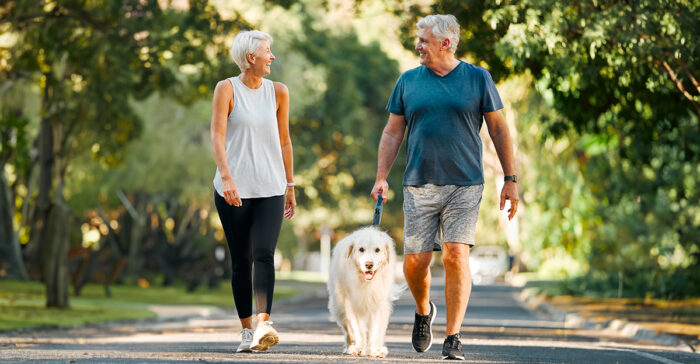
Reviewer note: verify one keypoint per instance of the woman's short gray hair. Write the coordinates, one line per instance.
(443, 27)
(245, 43)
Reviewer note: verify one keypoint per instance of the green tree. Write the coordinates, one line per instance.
(166, 173)
(14, 152)
(340, 78)
(336, 136)
(90, 59)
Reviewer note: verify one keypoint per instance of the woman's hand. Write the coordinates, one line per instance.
(231, 191)
(290, 203)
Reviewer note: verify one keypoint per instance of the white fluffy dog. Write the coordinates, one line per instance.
(361, 289)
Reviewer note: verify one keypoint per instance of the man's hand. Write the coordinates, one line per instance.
(509, 192)
(380, 188)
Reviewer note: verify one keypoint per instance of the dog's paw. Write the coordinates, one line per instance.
(353, 350)
(379, 352)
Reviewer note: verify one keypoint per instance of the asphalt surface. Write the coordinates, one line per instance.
(498, 328)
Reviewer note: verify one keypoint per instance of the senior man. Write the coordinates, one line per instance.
(443, 103)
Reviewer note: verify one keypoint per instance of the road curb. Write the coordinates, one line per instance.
(574, 320)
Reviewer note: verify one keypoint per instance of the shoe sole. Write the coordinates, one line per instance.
(447, 357)
(270, 339)
(432, 319)
(244, 350)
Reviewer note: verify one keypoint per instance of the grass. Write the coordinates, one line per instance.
(25, 314)
(679, 317)
(22, 304)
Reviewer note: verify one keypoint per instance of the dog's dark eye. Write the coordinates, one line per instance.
(376, 250)
(362, 250)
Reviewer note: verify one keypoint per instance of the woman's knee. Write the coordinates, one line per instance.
(264, 255)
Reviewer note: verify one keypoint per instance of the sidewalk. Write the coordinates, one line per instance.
(668, 323)
(168, 313)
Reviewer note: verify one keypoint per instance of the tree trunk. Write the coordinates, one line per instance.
(49, 241)
(9, 240)
(135, 233)
(43, 202)
(56, 255)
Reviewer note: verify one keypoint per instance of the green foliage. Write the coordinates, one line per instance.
(557, 222)
(171, 157)
(90, 58)
(623, 76)
(339, 87)
(14, 141)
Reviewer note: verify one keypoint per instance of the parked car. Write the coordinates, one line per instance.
(487, 263)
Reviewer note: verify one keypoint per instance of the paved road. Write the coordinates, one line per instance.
(497, 329)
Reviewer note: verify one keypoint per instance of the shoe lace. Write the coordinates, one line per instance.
(247, 335)
(423, 326)
(453, 342)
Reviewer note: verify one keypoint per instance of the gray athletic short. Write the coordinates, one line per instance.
(430, 210)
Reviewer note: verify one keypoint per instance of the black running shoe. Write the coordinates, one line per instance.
(452, 348)
(422, 337)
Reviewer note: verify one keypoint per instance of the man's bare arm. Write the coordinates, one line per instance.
(389, 146)
(498, 130)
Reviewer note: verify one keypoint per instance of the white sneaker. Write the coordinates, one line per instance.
(246, 341)
(265, 336)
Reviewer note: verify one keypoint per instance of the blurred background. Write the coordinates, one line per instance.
(106, 167)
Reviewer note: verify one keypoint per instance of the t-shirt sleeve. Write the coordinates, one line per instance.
(395, 105)
(490, 99)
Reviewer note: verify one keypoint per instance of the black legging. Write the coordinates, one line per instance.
(252, 231)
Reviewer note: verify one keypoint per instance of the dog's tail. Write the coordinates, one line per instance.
(397, 290)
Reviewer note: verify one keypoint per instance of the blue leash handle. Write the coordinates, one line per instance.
(378, 211)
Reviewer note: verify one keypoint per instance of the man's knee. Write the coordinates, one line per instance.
(416, 263)
(455, 254)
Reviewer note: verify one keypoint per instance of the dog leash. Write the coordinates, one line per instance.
(378, 211)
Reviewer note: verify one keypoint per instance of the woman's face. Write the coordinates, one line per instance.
(261, 61)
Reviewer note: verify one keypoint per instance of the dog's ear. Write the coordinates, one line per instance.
(350, 250)
(388, 253)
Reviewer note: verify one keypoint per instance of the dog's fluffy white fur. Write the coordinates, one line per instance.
(361, 289)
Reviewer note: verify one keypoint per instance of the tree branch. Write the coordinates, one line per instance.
(680, 87)
(677, 81)
(690, 75)
(22, 18)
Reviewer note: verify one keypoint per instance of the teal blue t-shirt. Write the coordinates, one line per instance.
(444, 116)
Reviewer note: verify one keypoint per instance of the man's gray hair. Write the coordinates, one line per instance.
(443, 27)
(245, 43)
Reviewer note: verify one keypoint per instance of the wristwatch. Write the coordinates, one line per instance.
(513, 178)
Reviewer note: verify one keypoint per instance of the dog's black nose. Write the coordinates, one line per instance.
(369, 265)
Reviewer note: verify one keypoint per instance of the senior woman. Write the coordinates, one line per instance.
(253, 154)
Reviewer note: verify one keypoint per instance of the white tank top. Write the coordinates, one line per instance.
(253, 150)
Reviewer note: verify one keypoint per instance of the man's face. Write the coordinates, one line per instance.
(428, 46)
